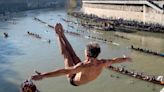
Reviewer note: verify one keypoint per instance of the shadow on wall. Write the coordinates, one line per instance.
(7, 50)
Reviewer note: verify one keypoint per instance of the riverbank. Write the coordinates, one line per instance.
(122, 24)
(23, 5)
(11, 16)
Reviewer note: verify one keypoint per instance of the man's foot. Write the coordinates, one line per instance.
(59, 29)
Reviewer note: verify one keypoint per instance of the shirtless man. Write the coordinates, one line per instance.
(78, 72)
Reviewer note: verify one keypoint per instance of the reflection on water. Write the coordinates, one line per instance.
(7, 50)
(147, 42)
(24, 54)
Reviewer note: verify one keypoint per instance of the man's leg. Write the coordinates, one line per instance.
(68, 60)
(69, 48)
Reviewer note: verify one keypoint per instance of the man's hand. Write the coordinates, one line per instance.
(121, 60)
(127, 59)
(59, 29)
(36, 77)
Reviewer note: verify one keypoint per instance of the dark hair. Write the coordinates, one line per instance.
(93, 49)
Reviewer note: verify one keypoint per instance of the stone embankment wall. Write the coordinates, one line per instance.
(7, 6)
(128, 12)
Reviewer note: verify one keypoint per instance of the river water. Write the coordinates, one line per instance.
(21, 54)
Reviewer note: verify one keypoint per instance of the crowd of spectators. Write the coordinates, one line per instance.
(133, 24)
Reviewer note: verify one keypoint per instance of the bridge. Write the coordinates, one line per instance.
(152, 4)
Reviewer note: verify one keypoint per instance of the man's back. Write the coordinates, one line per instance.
(91, 70)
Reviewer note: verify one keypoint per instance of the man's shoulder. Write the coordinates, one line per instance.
(83, 65)
(102, 60)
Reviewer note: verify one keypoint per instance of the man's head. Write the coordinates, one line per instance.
(92, 50)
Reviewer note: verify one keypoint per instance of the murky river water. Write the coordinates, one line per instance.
(21, 55)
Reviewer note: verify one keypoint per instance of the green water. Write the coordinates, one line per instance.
(21, 55)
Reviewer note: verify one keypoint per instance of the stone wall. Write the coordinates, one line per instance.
(12, 5)
(127, 12)
(19, 5)
(134, 8)
(115, 7)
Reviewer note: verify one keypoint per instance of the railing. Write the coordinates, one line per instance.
(155, 6)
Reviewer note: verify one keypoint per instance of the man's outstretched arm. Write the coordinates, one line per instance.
(60, 72)
(108, 62)
(71, 70)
